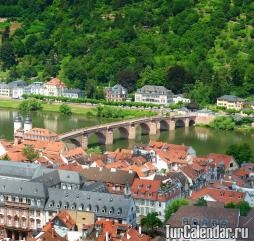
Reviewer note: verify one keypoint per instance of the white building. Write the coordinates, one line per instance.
(5, 90)
(153, 196)
(73, 93)
(154, 95)
(54, 87)
(180, 98)
(35, 88)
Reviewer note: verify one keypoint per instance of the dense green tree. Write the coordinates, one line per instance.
(7, 54)
(174, 206)
(151, 221)
(189, 46)
(223, 123)
(65, 109)
(30, 153)
(30, 104)
(243, 206)
(201, 202)
(241, 152)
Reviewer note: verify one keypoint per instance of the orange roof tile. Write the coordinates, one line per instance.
(56, 82)
(223, 196)
(221, 158)
(41, 132)
(133, 234)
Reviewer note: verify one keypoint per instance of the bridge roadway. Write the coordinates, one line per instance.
(127, 129)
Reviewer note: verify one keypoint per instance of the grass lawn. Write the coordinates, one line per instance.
(54, 107)
(75, 108)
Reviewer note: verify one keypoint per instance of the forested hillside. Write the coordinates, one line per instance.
(204, 48)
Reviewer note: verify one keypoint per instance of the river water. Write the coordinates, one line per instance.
(203, 140)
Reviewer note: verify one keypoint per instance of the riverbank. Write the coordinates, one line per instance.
(79, 109)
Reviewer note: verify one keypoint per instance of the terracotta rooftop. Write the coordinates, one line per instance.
(56, 82)
(41, 132)
(221, 159)
(223, 196)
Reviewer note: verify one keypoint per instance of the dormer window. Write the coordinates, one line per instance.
(59, 205)
(111, 210)
(88, 208)
(119, 211)
(73, 206)
(38, 203)
(32, 202)
(148, 187)
(66, 205)
(96, 209)
(140, 186)
(51, 204)
(103, 209)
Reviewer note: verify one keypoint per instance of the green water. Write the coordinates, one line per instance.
(203, 140)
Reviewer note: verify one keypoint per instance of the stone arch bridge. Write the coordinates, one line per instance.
(127, 129)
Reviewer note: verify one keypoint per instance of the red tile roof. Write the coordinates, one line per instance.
(150, 190)
(223, 196)
(133, 234)
(56, 82)
(66, 219)
(221, 158)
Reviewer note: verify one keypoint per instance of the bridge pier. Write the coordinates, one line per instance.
(153, 128)
(187, 123)
(132, 132)
(84, 141)
(109, 137)
(172, 125)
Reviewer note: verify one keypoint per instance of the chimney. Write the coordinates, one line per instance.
(140, 229)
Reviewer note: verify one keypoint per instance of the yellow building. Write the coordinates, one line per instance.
(230, 102)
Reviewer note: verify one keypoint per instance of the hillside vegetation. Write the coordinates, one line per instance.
(204, 48)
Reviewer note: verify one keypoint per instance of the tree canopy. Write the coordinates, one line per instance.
(203, 48)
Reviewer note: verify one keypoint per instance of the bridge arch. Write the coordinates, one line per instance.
(179, 123)
(124, 133)
(97, 137)
(163, 125)
(145, 129)
(75, 141)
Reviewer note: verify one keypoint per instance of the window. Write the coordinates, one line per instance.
(32, 202)
(185, 221)
(38, 202)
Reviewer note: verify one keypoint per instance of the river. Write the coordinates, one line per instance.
(203, 140)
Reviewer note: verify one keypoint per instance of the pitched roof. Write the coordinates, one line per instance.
(65, 217)
(231, 98)
(56, 82)
(41, 132)
(133, 234)
(223, 196)
(107, 205)
(152, 190)
(221, 159)
(59, 176)
(205, 216)
(19, 170)
(108, 175)
(21, 188)
(154, 89)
